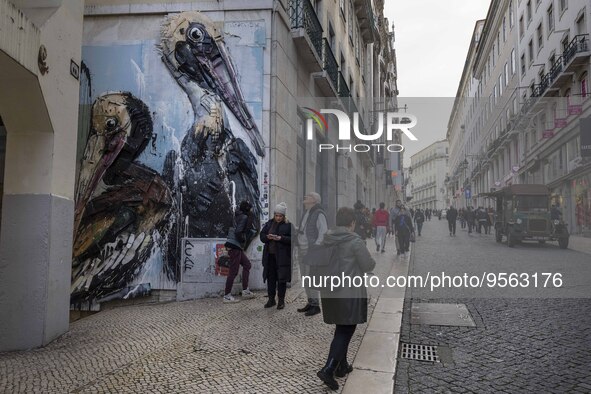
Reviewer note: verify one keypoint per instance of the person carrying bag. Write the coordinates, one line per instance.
(344, 306)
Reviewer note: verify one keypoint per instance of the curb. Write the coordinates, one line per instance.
(374, 366)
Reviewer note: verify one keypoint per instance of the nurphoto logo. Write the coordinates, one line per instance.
(393, 121)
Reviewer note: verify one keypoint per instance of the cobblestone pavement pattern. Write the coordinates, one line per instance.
(200, 346)
(524, 345)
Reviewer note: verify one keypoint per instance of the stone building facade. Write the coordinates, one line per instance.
(427, 173)
(537, 131)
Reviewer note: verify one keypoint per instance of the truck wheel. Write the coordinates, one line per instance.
(563, 243)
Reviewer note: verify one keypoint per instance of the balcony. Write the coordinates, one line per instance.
(343, 88)
(576, 53)
(367, 20)
(328, 79)
(330, 65)
(306, 31)
(557, 77)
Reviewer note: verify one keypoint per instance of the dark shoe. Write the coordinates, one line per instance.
(326, 374)
(305, 309)
(343, 369)
(377, 248)
(281, 304)
(383, 251)
(270, 303)
(314, 310)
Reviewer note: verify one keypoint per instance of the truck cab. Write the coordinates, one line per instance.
(523, 213)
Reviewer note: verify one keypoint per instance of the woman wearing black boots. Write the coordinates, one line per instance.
(276, 235)
(346, 306)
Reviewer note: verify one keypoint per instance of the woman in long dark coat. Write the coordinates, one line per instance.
(346, 306)
(276, 235)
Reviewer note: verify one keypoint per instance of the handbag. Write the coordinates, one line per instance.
(224, 261)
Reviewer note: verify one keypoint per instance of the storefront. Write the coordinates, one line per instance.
(581, 201)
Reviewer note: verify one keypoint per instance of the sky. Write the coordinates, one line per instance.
(432, 40)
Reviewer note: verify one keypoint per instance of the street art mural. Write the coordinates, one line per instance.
(169, 151)
(218, 168)
(121, 205)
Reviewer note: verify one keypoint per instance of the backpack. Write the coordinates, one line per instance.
(323, 262)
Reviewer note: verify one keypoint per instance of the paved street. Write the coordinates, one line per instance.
(187, 347)
(518, 345)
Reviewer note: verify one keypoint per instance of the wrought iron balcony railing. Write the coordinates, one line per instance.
(330, 64)
(343, 87)
(303, 15)
(578, 44)
(556, 69)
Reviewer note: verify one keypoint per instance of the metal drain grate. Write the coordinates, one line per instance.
(413, 351)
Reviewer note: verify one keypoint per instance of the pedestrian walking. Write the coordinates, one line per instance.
(403, 230)
(344, 307)
(235, 244)
(419, 220)
(361, 222)
(482, 218)
(276, 235)
(381, 221)
(470, 217)
(555, 212)
(452, 215)
(462, 217)
(394, 212)
(311, 230)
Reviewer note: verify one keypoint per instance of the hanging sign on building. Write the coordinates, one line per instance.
(559, 123)
(585, 127)
(575, 109)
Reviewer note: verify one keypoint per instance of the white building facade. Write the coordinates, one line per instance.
(427, 172)
(532, 104)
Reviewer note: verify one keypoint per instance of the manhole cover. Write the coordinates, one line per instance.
(412, 351)
(440, 314)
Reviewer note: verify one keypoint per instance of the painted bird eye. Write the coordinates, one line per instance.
(111, 124)
(195, 34)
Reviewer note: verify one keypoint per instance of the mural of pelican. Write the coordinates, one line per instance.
(216, 164)
(121, 205)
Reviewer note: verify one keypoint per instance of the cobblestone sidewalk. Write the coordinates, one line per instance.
(187, 347)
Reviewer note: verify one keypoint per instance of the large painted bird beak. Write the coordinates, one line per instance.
(102, 148)
(219, 74)
(225, 77)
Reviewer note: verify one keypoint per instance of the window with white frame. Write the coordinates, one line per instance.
(581, 25)
(522, 64)
(500, 84)
(521, 27)
(540, 35)
(530, 50)
(512, 61)
(550, 14)
(506, 74)
(504, 29)
(528, 11)
(584, 85)
(563, 5)
(511, 15)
